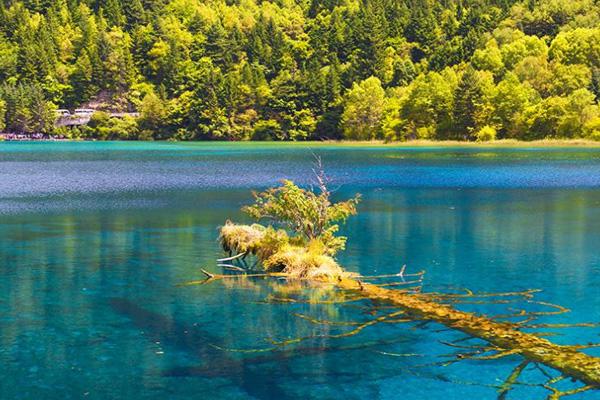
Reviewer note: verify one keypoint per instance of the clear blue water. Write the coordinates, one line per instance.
(95, 239)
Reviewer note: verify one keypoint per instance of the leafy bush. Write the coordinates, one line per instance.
(266, 130)
(311, 215)
(102, 126)
(592, 129)
(486, 134)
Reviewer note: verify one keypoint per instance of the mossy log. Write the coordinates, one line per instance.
(506, 338)
(566, 359)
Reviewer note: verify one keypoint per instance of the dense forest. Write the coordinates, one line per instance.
(304, 69)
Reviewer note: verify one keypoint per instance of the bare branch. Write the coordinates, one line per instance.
(232, 258)
(512, 378)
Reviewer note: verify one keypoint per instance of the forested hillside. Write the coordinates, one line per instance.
(304, 69)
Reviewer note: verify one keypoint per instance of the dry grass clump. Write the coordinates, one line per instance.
(304, 262)
(252, 239)
(241, 238)
(277, 252)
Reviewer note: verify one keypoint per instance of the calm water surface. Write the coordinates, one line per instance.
(95, 239)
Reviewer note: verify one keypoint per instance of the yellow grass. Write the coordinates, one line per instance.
(241, 238)
(303, 263)
(276, 254)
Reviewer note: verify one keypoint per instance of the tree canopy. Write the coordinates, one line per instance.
(299, 70)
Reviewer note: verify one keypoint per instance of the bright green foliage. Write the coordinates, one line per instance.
(393, 126)
(363, 110)
(563, 116)
(526, 46)
(103, 127)
(267, 130)
(8, 59)
(304, 212)
(153, 114)
(579, 46)
(592, 129)
(536, 71)
(486, 134)
(429, 105)
(488, 58)
(511, 101)
(566, 79)
(300, 70)
(26, 109)
(306, 245)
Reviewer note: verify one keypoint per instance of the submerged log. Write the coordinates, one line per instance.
(505, 338)
(566, 359)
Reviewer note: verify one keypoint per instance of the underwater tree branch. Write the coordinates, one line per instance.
(508, 384)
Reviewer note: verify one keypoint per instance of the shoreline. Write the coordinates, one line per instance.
(507, 143)
(34, 137)
(502, 143)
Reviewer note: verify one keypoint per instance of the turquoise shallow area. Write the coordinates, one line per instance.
(96, 237)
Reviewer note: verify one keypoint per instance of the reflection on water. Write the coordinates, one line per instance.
(90, 305)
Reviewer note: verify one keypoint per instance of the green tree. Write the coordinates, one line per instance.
(114, 12)
(537, 72)
(526, 46)
(468, 99)
(26, 109)
(363, 110)
(267, 130)
(566, 79)
(43, 112)
(512, 100)
(153, 114)
(578, 46)
(8, 59)
(429, 105)
(309, 214)
(293, 70)
(488, 58)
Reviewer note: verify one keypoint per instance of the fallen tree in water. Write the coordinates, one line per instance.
(301, 243)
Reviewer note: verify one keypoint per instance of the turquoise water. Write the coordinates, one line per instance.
(97, 237)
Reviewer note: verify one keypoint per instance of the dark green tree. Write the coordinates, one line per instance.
(467, 100)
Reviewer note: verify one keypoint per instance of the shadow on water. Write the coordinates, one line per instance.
(259, 383)
(259, 376)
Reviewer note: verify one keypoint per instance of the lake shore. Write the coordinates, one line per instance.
(22, 137)
(507, 143)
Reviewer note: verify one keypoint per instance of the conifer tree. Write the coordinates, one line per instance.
(467, 100)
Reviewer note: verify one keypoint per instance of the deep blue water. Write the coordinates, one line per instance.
(95, 239)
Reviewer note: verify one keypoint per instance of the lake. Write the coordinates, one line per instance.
(97, 238)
